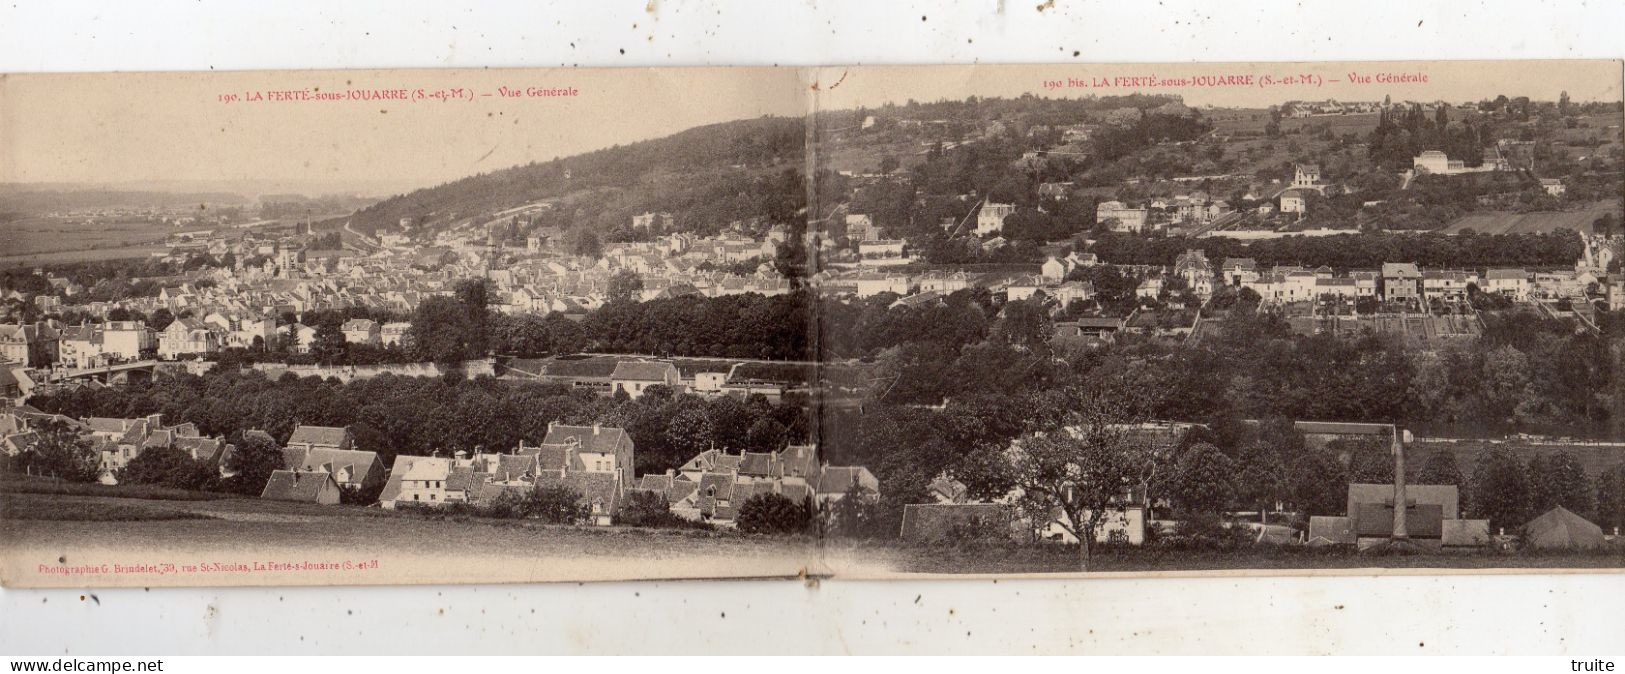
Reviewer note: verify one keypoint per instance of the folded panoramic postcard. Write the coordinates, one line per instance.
(477, 326)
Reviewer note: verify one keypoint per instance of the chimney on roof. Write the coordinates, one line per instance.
(596, 428)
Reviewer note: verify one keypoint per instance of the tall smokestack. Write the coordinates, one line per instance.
(1400, 502)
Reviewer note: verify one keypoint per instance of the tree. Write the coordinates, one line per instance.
(251, 464)
(773, 514)
(1370, 462)
(624, 287)
(473, 295)
(650, 509)
(559, 505)
(1440, 467)
(1318, 483)
(691, 431)
(1500, 490)
(329, 346)
(766, 435)
(351, 494)
(1560, 480)
(62, 452)
(587, 244)
(859, 515)
(1087, 468)
(656, 394)
(168, 467)
(451, 329)
(1262, 475)
(644, 508)
(1023, 324)
(1611, 498)
(1202, 479)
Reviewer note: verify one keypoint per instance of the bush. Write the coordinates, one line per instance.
(559, 505)
(60, 452)
(166, 467)
(976, 530)
(649, 509)
(1205, 531)
(510, 504)
(350, 494)
(859, 516)
(773, 514)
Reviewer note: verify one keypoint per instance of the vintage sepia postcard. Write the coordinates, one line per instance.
(474, 326)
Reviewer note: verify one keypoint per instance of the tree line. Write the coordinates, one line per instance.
(1358, 251)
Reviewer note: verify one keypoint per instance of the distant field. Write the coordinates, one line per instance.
(39, 240)
(1238, 120)
(1361, 123)
(46, 235)
(865, 158)
(66, 256)
(1531, 223)
(1254, 120)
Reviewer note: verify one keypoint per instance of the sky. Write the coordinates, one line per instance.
(113, 128)
(188, 128)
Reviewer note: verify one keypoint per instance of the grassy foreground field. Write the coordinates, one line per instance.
(80, 539)
(1501, 222)
(75, 540)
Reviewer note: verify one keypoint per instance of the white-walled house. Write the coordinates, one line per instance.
(361, 331)
(187, 337)
(1512, 283)
(990, 219)
(635, 377)
(416, 479)
(394, 334)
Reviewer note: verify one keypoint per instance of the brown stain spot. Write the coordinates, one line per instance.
(1046, 5)
(837, 83)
